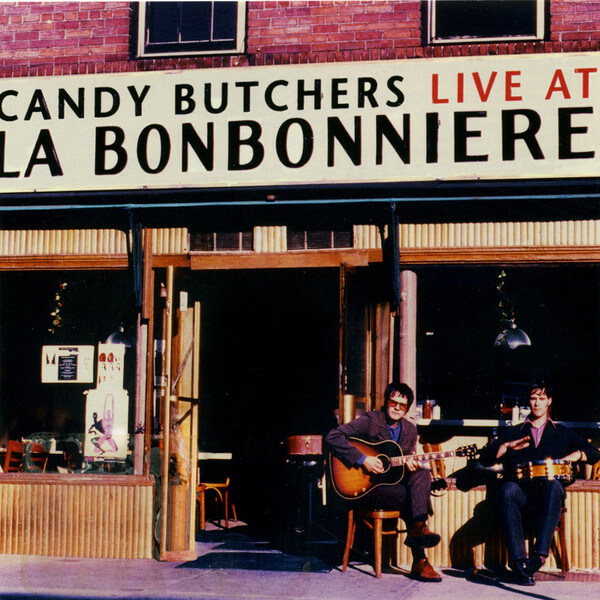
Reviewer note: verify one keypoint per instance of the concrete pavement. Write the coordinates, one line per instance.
(235, 566)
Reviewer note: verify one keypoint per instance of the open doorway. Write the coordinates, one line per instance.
(269, 369)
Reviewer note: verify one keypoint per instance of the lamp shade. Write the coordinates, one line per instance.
(512, 337)
(120, 337)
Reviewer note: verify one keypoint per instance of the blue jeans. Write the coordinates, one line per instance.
(535, 504)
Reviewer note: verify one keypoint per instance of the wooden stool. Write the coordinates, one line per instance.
(374, 520)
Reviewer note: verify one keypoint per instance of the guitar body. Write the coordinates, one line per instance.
(354, 482)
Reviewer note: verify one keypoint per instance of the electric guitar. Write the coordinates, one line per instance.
(355, 482)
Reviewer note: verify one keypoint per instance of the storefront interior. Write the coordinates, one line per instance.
(270, 351)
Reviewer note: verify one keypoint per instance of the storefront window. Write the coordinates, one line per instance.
(51, 325)
(458, 321)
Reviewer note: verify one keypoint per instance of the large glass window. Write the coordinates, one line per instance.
(452, 21)
(185, 28)
(459, 318)
(65, 311)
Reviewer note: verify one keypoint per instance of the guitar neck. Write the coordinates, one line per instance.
(396, 461)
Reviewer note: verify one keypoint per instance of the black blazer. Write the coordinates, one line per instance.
(557, 442)
(370, 427)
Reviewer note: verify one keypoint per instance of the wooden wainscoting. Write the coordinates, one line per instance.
(95, 516)
(471, 538)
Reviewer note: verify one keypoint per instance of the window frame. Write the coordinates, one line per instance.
(143, 52)
(432, 38)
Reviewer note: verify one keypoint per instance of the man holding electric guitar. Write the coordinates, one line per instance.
(358, 465)
(536, 456)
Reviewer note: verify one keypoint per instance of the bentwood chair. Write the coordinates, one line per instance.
(374, 520)
(18, 453)
(222, 500)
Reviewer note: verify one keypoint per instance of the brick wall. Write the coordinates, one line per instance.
(52, 38)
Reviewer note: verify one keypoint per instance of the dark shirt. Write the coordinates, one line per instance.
(557, 441)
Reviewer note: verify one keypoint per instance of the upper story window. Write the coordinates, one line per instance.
(454, 21)
(187, 28)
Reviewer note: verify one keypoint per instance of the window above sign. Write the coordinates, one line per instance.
(456, 21)
(190, 28)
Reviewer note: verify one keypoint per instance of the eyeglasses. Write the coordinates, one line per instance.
(397, 405)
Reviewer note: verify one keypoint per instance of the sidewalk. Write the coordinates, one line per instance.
(232, 565)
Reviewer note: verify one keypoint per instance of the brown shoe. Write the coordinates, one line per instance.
(419, 536)
(423, 571)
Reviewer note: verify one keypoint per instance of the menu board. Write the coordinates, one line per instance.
(67, 364)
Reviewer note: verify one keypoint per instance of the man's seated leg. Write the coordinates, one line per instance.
(418, 486)
(548, 504)
(512, 502)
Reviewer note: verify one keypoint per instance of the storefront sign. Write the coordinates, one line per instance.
(68, 364)
(503, 117)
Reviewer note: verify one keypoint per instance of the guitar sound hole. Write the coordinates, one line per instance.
(385, 460)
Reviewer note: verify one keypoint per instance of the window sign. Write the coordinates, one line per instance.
(67, 364)
(110, 365)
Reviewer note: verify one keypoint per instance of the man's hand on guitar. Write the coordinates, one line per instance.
(513, 445)
(412, 464)
(372, 464)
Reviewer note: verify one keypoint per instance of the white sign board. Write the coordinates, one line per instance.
(492, 117)
(110, 365)
(106, 420)
(67, 364)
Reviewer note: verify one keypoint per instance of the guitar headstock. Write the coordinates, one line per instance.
(469, 452)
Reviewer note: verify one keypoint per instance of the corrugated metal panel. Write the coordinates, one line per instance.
(270, 239)
(62, 242)
(486, 235)
(97, 521)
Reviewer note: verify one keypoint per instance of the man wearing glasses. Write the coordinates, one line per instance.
(410, 495)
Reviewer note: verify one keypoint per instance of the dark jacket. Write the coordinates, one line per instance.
(370, 427)
(557, 442)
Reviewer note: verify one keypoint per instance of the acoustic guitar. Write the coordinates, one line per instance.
(354, 482)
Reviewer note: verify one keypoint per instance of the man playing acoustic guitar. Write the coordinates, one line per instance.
(411, 494)
(536, 456)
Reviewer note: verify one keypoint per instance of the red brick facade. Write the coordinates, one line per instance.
(58, 38)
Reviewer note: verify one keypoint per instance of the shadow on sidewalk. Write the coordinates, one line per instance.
(238, 548)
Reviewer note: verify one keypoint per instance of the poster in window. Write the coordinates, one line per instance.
(106, 420)
(67, 364)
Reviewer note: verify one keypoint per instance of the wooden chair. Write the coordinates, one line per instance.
(221, 498)
(374, 520)
(13, 461)
(17, 452)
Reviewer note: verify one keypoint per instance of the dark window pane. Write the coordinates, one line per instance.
(225, 20)
(295, 240)
(162, 22)
(485, 18)
(228, 241)
(201, 242)
(342, 239)
(195, 21)
(247, 240)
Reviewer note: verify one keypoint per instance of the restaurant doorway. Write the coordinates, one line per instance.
(269, 369)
